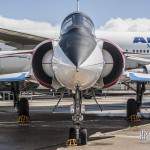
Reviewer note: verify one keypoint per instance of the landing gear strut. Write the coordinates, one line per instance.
(21, 104)
(15, 89)
(77, 133)
(140, 91)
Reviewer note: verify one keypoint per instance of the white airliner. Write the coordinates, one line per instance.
(78, 60)
(131, 42)
(136, 44)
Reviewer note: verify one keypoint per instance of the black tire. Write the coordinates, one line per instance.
(83, 136)
(131, 107)
(72, 133)
(23, 107)
(87, 96)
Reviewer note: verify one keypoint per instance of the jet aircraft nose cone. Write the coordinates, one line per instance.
(77, 46)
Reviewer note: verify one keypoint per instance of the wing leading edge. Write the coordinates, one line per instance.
(14, 77)
(139, 77)
(19, 39)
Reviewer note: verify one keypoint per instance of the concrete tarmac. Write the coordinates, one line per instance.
(49, 131)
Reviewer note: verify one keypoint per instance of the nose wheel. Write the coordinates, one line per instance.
(76, 133)
(82, 140)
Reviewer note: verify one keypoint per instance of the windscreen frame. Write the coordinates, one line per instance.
(77, 20)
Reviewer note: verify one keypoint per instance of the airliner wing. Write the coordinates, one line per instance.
(14, 77)
(19, 39)
(136, 76)
(139, 60)
(139, 77)
(4, 54)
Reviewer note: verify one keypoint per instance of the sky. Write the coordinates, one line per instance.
(53, 11)
(44, 17)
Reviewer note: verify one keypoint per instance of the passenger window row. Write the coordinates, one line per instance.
(139, 51)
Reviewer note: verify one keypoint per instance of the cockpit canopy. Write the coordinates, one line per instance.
(75, 20)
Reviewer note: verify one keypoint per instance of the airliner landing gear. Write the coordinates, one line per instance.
(77, 135)
(133, 106)
(21, 104)
(23, 111)
(140, 91)
(15, 89)
(131, 109)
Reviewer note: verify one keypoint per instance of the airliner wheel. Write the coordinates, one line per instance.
(23, 107)
(83, 136)
(72, 133)
(23, 111)
(131, 108)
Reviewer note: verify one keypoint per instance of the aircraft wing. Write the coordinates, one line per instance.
(19, 39)
(139, 60)
(14, 77)
(4, 54)
(136, 76)
(139, 77)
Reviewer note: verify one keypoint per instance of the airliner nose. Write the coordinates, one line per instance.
(77, 45)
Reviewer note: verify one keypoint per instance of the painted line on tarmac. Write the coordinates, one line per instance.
(127, 136)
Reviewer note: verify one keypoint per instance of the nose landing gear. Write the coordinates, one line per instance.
(77, 134)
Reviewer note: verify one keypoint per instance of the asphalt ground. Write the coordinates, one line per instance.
(49, 131)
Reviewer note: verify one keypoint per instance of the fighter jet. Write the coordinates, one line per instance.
(78, 60)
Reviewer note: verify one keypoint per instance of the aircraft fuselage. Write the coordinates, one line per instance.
(77, 59)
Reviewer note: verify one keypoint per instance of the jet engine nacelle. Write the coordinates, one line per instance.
(41, 63)
(113, 63)
(146, 69)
